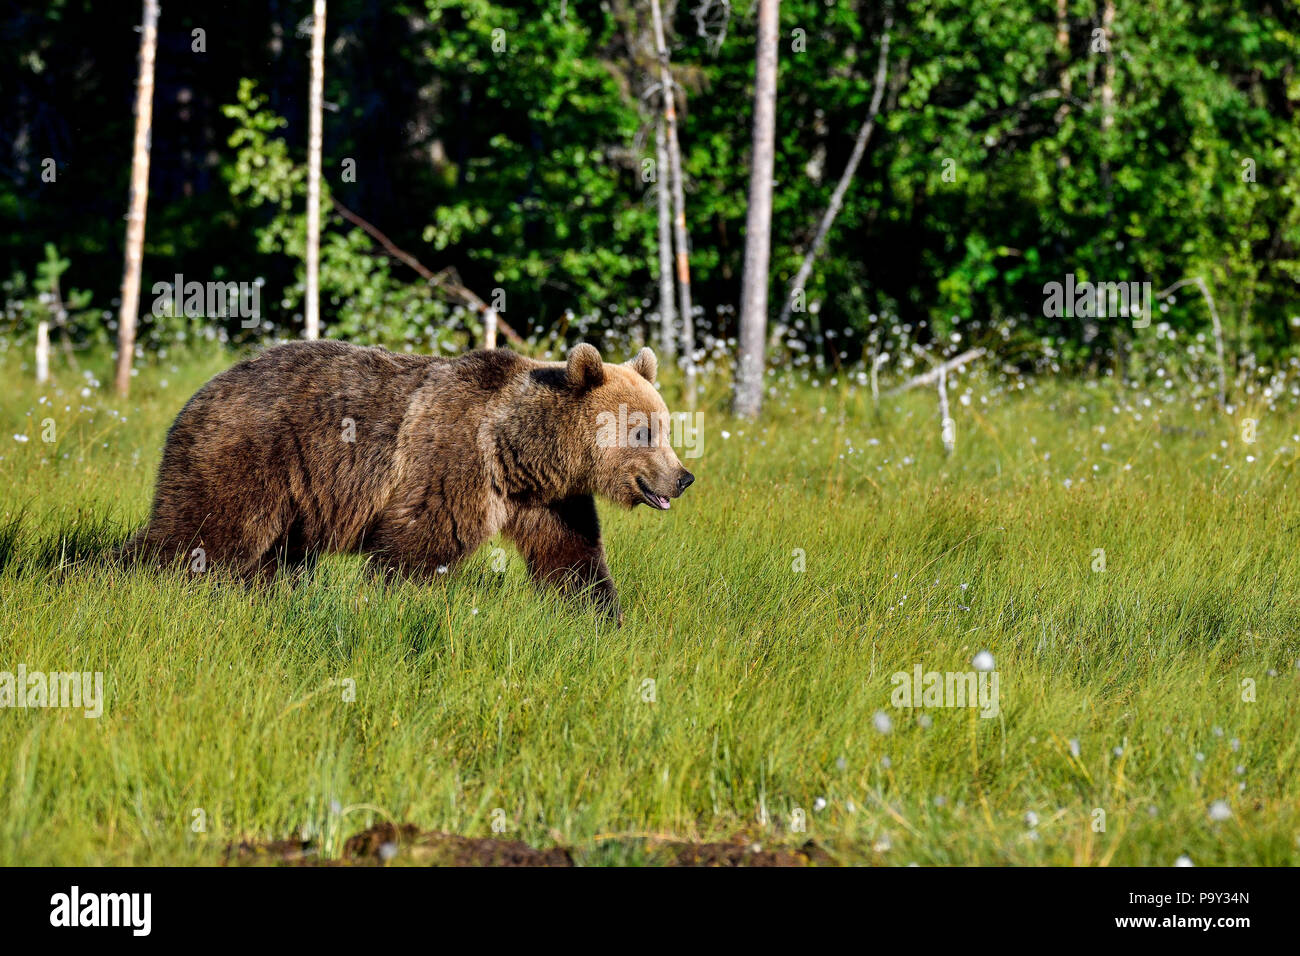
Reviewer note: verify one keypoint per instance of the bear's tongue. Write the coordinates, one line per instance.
(657, 501)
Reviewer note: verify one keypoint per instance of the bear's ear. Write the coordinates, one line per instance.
(585, 368)
(645, 364)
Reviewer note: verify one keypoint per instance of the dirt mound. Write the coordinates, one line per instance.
(386, 843)
(297, 852)
(747, 854)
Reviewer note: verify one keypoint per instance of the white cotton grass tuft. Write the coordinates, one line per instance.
(983, 661)
(882, 722)
(1220, 811)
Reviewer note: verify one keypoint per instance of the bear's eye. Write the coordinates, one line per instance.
(641, 437)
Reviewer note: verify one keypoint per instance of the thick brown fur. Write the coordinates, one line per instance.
(318, 447)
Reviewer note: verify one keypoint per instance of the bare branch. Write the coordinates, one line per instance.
(446, 280)
(941, 370)
(800, 279)
(712, 18)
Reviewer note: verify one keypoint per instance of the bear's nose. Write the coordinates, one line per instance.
(684, 481)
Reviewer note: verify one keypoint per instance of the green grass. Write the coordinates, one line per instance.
(478, 695)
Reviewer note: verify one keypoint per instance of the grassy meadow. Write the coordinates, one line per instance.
(1148, 712)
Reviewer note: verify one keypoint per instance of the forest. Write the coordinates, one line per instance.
(510, 148)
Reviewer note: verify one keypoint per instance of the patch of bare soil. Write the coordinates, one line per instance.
(743, 853)
(293, 852)
(385, 843)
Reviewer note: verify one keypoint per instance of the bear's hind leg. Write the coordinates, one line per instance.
(293, 553)
(206, 541)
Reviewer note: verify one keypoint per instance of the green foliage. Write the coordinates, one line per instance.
(1153, 187)
(362, 301)
(69, 312)
(506, 138)
(551, 203)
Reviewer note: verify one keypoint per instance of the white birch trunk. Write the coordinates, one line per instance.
(667, 312)
(681, 239)
(758, 222)
(139, 198)
(312, 305)
(42, 351)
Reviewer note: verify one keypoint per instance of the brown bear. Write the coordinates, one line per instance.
(317, 447)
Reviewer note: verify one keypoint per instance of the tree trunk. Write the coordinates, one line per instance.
(1063, 68)
(1108, 72)
(667, 317)
(680, 238)
(1063, 55)
(758, 222)
(316, 106)
(139, 197)
(799, 283)
(42, 351)
(1107, 101)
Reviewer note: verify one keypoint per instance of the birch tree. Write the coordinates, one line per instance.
(667, 316)
(312, 305)
(758, 222)
(42, 350)
(681, 239)
(139, 197)
(48, 273)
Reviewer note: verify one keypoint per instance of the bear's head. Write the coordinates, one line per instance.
(628, 429)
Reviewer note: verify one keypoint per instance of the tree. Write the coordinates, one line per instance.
(139, 197)
(312, 304)
(667, 316)
(758, 222)
(680, 237)
(508, 144)
(47, 283)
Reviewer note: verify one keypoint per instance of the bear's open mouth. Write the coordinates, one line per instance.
(652, 499)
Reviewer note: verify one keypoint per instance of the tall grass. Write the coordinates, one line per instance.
(742, 696)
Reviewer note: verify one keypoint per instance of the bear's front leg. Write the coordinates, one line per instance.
(561, 543)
